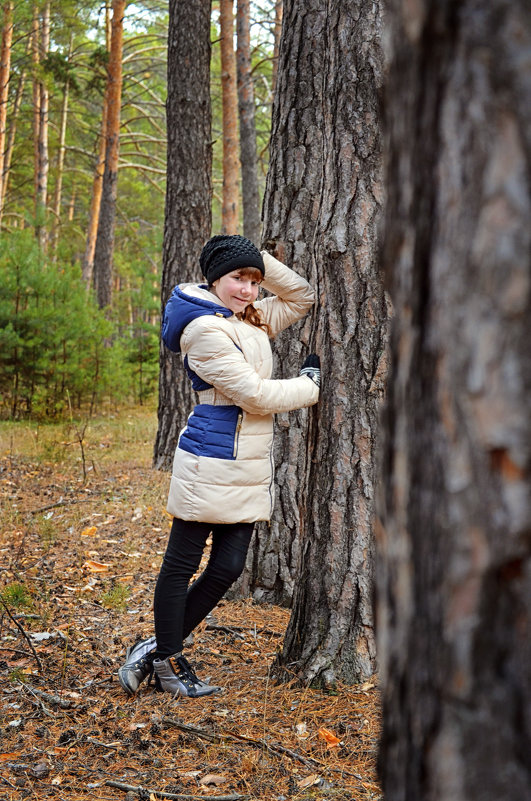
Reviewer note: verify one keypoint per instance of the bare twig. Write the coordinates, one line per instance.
(55, 505)
(54, 700)
(19, 627)
(179, 796)
(272, 748)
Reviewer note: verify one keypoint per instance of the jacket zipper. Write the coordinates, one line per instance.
(237, 435)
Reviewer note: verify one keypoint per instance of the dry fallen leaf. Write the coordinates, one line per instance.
(213, 778)
(96, 567)
(309, 781)
(89, 532)
(329, 737)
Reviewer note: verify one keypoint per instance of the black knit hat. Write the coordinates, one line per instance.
(222, 254)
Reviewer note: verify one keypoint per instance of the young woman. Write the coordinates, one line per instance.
(222, 481)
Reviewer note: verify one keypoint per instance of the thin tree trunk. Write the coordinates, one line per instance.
(87, 269)
(454, 546)
(321, 212)
(229, 210)
(188, 195)
(277, 30)
(35, 59)
(5, 69)
(103, 253)
(41, 94)
(250, 195)
(60, 163)
(11, 135)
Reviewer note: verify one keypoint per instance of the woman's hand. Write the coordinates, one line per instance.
(312, 368)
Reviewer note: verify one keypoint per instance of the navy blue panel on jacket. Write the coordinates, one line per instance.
(212, 431)
(180, 310)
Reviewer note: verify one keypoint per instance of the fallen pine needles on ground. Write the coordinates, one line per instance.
(79, 559)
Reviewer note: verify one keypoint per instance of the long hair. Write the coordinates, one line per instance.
(250, 314)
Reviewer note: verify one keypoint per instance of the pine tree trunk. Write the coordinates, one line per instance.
(454, 546)
(41, 112)
(13, 118)
(103, 252)
(5, 69)
(60, 163)
(250, 195)
(188, 195)
(229, 209)
(321, 210)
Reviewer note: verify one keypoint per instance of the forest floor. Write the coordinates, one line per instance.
(79, 555)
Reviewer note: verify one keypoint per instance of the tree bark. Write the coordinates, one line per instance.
(229, 209)
(5, 69)
(41, 44)
(454, 546)
(248, 158)
(13, 118)
(103, 252)
(321, 208)
(188, 215)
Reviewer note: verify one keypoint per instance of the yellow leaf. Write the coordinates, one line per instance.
(89, 532)
(329, 737)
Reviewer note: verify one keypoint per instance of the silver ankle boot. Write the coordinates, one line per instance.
(175, 675)
(137, 665)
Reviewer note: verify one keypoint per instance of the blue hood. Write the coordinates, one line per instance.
(180, 310)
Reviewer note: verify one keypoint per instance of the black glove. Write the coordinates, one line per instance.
(312, 368)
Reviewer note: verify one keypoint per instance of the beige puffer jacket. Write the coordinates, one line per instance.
(223, 465)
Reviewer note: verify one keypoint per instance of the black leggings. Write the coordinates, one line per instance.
(178, 607)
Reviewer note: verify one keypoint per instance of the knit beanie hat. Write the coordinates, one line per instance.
(222, 254)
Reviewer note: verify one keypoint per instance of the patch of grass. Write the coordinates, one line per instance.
(46, 529)
(116, 597)
(17, 596)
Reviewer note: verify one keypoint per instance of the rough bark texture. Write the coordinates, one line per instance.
(5, 68)
(277, 30)
(454, 574)
(250, 194)
(188, 195)
(103, 253)
(323, 196)
(231, 177)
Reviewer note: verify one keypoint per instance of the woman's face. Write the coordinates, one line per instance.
(236, 291)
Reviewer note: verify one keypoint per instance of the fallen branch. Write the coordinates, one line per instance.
(128, 788)
(272, 748)
(225, 629)
(55, 505)
(26, 637)
(54, 700)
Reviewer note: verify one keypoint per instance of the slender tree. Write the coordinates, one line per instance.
(454, 545)
(5, 69)
(248, 157)
(97, 183)
(103, 253)
(188, 193)
(229, 211)
(58, 189)
(321, 211)
(41, 44)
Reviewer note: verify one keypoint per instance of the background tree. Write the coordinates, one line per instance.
(454, 548)
(5, 69)
(246, 109)
(103, 252)
(321, 209)
(231, 176)
(188, 198)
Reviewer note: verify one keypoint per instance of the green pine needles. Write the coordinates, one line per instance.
(55, 343)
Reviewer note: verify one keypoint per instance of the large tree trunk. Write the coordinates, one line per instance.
(250, 195)
(5, 69)
(188, 216)
(321, 210)
(103, 252)
(454, 546)
(13, 119)
(229, 209)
